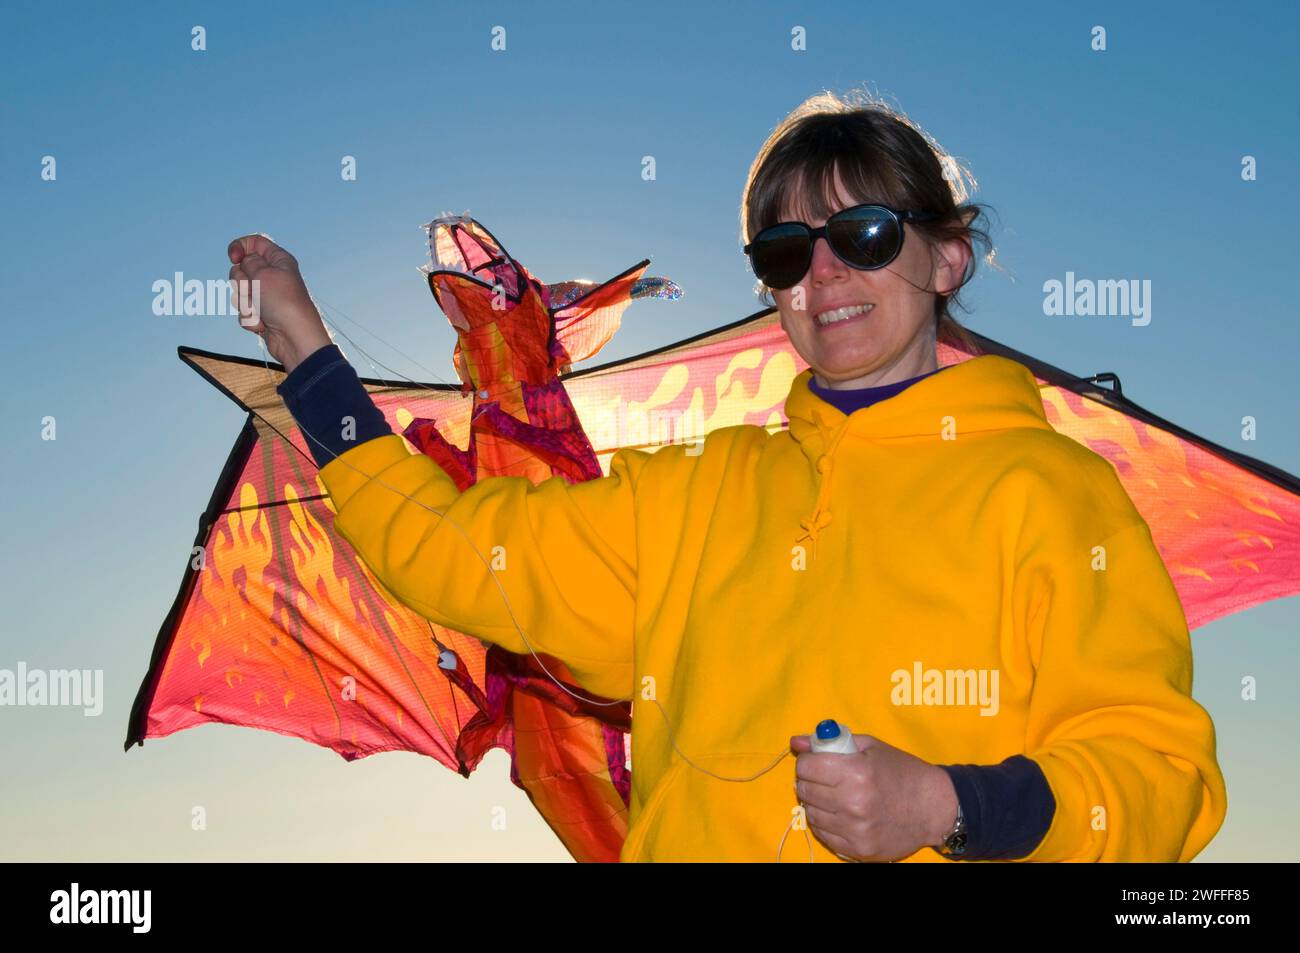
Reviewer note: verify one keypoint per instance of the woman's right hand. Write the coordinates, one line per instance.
(281, 312)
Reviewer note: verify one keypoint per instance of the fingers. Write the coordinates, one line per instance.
(820, 819)
(258, 246)
(803, 743)
(241, 296)
(240, 247)
(817, 797)
(246, 245)
(837, 843)
(824, 770)
(251, 263)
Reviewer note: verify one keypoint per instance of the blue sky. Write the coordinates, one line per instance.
(1116, 164)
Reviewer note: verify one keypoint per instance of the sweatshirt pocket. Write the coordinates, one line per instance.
(631, 852)
(692, 816)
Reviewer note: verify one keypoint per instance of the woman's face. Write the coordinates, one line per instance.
(891, 341)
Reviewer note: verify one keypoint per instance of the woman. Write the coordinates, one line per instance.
(920, 556)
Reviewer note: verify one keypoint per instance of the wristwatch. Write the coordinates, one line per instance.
(954, 842)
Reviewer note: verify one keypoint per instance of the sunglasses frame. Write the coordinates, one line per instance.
(899, 216)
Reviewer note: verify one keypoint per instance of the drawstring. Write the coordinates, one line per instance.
(820, 517)
(814, 524)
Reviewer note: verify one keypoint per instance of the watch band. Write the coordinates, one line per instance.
(954, 843)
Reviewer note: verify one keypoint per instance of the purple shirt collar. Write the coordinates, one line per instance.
(847, 401)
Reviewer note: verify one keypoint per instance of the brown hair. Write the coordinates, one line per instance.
(881, 156)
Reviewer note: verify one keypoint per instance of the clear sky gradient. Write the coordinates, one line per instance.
(1117, 164)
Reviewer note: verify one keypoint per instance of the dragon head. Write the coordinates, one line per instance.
(510, 325)
(468, 268)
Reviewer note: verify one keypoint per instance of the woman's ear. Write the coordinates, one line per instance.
(951, 259)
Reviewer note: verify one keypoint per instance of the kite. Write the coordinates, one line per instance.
(278, 625)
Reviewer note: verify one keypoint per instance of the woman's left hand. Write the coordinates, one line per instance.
(881, 804)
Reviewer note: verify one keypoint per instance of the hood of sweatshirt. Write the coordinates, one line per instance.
(983, 393)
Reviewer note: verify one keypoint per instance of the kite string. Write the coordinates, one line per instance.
(487, 565)
(333, 310)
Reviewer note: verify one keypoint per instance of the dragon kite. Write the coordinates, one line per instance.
(278, 625)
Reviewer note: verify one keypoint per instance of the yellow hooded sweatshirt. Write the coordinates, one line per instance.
(941, 570)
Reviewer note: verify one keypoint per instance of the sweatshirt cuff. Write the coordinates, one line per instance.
(1008, 807)
(331, 406)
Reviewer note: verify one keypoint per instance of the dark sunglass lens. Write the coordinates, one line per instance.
(866, 237)
(780, 255)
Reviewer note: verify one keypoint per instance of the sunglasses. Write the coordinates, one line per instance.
(865, 237)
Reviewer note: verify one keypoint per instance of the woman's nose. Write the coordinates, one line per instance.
(825, 265)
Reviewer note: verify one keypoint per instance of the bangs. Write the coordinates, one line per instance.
(800, 183)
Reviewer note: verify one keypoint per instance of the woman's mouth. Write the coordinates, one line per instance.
(826, 319)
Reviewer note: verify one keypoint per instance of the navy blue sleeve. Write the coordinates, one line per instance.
(1008, 807)
(324, 393)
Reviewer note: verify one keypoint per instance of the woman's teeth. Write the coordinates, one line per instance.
(842, 314)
